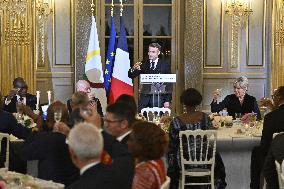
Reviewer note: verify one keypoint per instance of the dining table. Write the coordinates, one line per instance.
(235, 145)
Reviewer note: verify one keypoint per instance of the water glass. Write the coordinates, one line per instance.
(238, 116)
(57, 115)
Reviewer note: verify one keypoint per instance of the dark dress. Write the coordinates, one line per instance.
(174, 164)
(233, 105)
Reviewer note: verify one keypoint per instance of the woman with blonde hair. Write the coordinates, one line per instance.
(239, 102)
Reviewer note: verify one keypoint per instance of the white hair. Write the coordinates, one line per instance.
(86, 141)
(242, 82)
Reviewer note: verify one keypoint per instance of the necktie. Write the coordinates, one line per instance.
(152, 65)
(21, 99)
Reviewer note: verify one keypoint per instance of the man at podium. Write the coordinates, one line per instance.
(155, 94)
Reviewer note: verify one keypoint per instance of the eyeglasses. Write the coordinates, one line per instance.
(112, 121)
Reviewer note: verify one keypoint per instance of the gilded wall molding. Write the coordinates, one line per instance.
(193, 44)
(82, 24)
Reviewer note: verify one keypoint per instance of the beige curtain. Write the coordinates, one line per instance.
(277, 66)
(17, 53)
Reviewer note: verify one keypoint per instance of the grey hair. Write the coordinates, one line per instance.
(86, 141)
(242, 82)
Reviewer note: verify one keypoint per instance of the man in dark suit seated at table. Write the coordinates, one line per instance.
(275, 152)
(84, 86)
(118, 120)
(9, 124)
(85, 145)
(154, 65)
(273, 123)
(19, 94)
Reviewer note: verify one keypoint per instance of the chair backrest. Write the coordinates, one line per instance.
(7, 137)
(280, 175)
(275, 134)
(154, 110)
(166, 184)
(197, 147)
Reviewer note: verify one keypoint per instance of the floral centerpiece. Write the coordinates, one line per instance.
(220, 121)
(25, 120)
(165, 123)
(248, 118)
(13, 180)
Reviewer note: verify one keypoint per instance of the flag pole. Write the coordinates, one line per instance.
(93, 8)
(121, 7)
(111, 9)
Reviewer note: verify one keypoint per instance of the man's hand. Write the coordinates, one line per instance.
(167, 104)
(12, 93)
(61, 128)
(91, 115)
(137, 66)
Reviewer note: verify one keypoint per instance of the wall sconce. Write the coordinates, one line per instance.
(43, 10)
(238, 8)
(239, 11)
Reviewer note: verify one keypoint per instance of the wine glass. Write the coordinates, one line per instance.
(57, 115)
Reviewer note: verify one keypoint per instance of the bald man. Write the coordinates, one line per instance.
(84, 86)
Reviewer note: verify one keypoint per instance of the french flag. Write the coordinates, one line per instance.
(120, 82)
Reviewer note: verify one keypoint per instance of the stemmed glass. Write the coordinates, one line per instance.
(57, 115)
(20, 112)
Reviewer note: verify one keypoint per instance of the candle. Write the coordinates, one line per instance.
(37, 99)
(249, 4)
(49, 97)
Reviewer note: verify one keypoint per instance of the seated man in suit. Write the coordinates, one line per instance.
(19, 94)
(154, 65)
(118, 120)
(275, 152)
(273, 123)
(85, 146)
(84, 86)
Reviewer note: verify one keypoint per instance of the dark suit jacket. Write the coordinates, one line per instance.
(233, 105)
(276, 152)
(125, 140)
(53, 155)
(9, 124)
(118, 175)
(99, 106)
(99, 176)
(162, 67)
(11, 107)
(273, 123)
(123, 163)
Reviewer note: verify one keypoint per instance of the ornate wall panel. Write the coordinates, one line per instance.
(193, 44)
(83, 25)
(57, 71)
(218, 71)
(277, 67)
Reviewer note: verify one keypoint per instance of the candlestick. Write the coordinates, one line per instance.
(37, 99)
(49, 97)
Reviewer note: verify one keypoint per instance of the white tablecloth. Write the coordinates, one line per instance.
(235, 150)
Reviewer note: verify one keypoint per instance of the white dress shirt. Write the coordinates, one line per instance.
(155, 63)
(24, 101)
(83, 169)
(120, 138)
